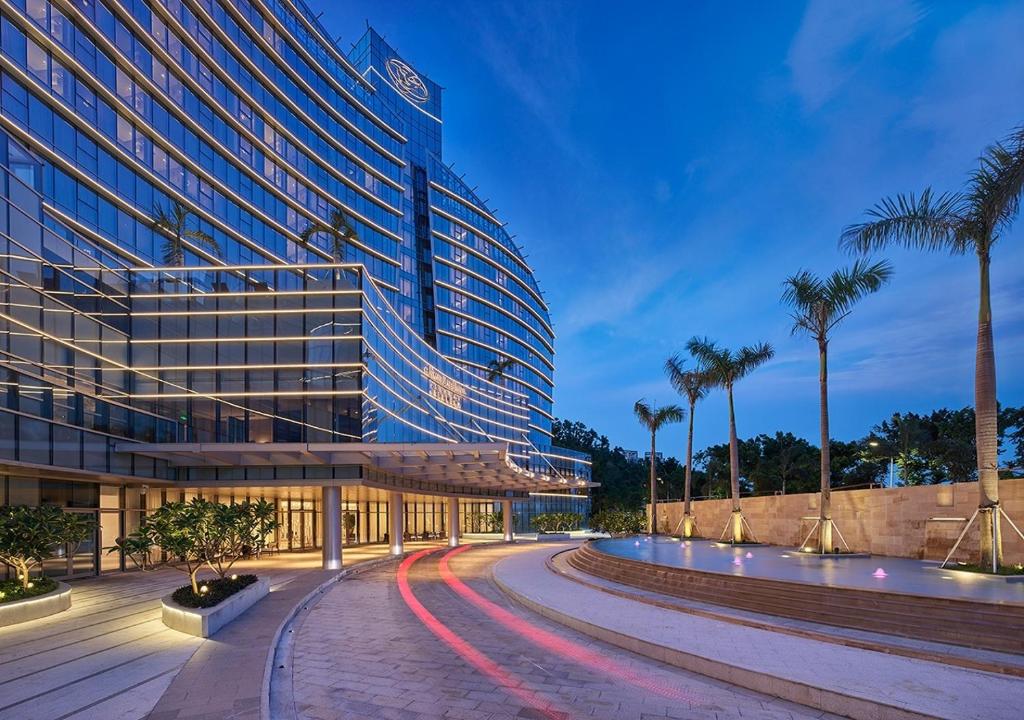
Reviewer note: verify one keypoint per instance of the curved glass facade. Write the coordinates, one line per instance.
(266, 326)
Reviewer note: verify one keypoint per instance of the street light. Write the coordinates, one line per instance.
(892, 482)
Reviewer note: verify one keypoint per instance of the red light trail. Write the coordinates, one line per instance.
(466, 651)
(552, 642)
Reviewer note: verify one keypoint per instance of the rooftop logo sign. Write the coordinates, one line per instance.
(407, 81)
(443, 388)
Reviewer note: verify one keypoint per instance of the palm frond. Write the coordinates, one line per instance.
(692, 384)
(653, 417)
(925, 222)
(716, 361)
(203, 239)
(995, 188)
(750, 357)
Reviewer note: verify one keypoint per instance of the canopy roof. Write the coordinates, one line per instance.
(485, 467)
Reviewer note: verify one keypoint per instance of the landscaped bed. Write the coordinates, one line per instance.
(216, 591)
(12, 590)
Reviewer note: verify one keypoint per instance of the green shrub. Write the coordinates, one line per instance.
(619, 522)
(557, 522)
(11, 590)
(216, 591)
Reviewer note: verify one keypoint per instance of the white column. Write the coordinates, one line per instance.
(453, 522)
(396, 521)
(330, 513)
(506, 520)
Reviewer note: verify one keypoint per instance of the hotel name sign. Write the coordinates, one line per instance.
(407, 81)
(443, 388)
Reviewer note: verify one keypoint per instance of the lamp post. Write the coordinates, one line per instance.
(891, 459)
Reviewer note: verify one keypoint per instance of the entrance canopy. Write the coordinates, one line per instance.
(486, 467)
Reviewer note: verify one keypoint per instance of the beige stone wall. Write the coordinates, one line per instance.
(919, 522)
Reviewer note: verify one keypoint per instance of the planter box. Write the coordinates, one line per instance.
(19, 611)
(204, 622)
(545, 537)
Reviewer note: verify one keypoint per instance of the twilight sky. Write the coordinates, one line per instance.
(667, 165)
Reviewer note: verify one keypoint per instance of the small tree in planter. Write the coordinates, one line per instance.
(202, 533)
(28, 535)
(137, 547)
(235, 531)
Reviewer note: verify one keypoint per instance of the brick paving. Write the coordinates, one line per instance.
(362, 653)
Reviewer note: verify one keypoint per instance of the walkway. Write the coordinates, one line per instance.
(110, 657)
(423, 645)
(847, 680)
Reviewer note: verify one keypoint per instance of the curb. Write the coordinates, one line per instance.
(306, 603)
(851, 706)
(280, 652)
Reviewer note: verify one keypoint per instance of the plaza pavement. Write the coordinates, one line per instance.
(362, 653)
(110, 657)
(850, 681)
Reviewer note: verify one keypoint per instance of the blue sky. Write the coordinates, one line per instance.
(667, 165)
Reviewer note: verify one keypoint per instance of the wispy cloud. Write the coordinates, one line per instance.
(835, 38)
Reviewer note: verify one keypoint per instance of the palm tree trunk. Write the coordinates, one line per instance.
(825, 513)
(687, 519)
(985, 428)
(652, 525)
(734, 473)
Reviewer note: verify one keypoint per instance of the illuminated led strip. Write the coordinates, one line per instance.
(328, 46)
(472, 206)
(497, 350)
(477, 320)
(175, 28)
(494, 243)
(419, 391)
(399, 320)
(183, 37)
(479, 393)
(263, 393)
(121, 366)
(271, 53)
(116, 101)
(536, 332)
(219, 313)
(286, 338)
(470, 363)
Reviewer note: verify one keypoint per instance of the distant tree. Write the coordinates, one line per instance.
(174, 224)
(819, 305)
(653, 418)
(693, 385)
(724, 368)
(785, 463)
(960, 223)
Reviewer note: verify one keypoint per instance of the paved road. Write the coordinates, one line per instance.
(432, 641)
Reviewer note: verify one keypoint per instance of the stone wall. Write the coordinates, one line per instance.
(918, 522)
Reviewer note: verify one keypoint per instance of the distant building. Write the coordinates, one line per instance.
(631, 454)
(647, 456)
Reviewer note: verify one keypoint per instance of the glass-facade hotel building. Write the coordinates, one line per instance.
(330, 317)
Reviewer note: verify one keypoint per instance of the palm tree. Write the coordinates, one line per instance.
(694, 385)
(819, 305)
(174, 224)
(498, 368)
(724, 367)
(959, 223)
(338, 228)
(653, 418)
